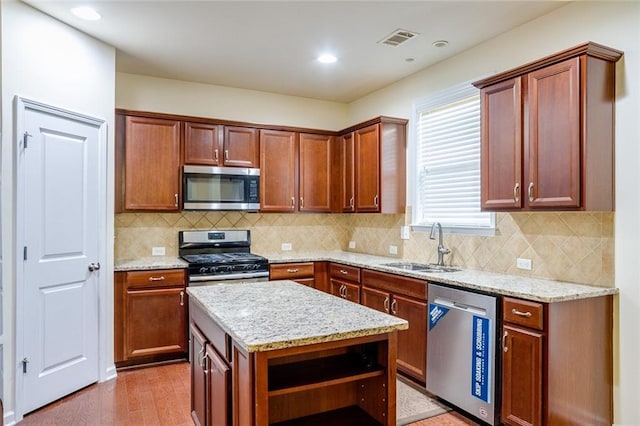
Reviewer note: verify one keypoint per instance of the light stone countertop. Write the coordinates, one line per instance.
(147, 263)
(537, 289)
(262, 316)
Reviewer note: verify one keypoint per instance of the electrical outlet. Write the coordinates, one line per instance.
(393, 249)
(523, 264)
(158, 251)
(352, 244)
(404, 232)
(286, 247)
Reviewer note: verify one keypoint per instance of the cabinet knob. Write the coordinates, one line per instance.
(516, 193)
(530, 191)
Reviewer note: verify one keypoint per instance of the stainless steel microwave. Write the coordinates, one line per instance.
(220, 188)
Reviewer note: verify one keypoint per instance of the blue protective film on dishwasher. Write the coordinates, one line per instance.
(436, 313)
(480, 352)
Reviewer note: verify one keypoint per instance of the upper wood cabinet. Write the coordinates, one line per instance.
(372, 176)
(296, 171)
(217, 145)
(147, 163)
(547, 137)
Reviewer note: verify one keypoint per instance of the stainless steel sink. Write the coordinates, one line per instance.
(421, 267)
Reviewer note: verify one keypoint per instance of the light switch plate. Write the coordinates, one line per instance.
(352, 244)
(404, 232)
(286, 246)
(158, 251)
(523, 264)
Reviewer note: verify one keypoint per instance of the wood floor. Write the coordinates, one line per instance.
(146, 396)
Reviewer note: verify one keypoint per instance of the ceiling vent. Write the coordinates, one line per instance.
(398, 37)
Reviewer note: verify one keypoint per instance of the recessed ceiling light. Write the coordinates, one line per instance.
(409, 59)
(327, 58)
(440, 43)
(87, 13)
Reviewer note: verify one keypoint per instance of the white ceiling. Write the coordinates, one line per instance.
(272, 45)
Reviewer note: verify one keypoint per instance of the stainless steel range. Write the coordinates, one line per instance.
(221, 256)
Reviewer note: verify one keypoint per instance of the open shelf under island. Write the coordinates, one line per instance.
(281, 353)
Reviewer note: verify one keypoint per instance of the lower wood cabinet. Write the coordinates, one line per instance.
(557, 362)
(150, 314)
(405, 298)
(210, 383)
(344, 281)
(303, 273)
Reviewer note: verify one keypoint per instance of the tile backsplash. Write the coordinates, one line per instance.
(566, 246)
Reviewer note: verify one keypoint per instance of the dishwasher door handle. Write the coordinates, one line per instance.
(452, 304)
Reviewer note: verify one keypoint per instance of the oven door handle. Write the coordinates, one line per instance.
(228, 276)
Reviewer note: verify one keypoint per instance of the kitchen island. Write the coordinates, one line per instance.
(278, 352)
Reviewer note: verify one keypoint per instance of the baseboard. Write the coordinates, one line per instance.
(110, 374)
(9, 418)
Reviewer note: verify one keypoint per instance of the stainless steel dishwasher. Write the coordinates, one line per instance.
(461, 350)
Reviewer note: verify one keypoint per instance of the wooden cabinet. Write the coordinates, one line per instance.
(147, 163)
(557, 362)
(296, 171)
(547, 137)
(210, 382)
(405, 298)
(373, 167)
(302, 273)
(344, 281)
(150, 314)
(218, 145)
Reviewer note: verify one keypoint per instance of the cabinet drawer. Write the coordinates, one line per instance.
(397, 284)
(155, 278)
(286, 271)
(344, 272)
(523, 312)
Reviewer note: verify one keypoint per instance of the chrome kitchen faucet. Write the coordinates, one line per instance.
(442, 250)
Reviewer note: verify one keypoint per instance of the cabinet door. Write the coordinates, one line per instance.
(554, 136)
(412, 343)
(345, 290)
(521, 376)
(501, 145)
(376, 299)
(309, 282)
(218, 386)
(367, 167)
(278, 159)
(202, 144)
(241, 147)
(155, 322)
(348, 173)
(198, 377)
(315, 173)
(151, 164)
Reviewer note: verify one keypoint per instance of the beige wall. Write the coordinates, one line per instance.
(142, 93)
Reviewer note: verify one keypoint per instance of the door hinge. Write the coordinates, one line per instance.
(24, 253)
(24, 139)
(25, 361)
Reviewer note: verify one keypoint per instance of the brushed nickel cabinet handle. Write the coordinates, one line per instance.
(351, 203)
(302, 202)
(292, 270)
(527, 314)
(175, 196)
(375, 200)
(516, 192)
(530, 190)
(394, 306)
(386, 304)
(182, 298)
(202, 356)
(215, 153)
(343, 272)
(505, 348)
(293, 202)
(160, 278)
(226, 155)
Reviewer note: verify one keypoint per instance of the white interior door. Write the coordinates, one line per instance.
(58, 219)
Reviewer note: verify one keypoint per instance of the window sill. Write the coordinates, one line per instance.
(482, 232)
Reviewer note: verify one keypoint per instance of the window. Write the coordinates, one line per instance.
(448, 161)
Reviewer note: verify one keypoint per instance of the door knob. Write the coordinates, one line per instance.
(94, 266)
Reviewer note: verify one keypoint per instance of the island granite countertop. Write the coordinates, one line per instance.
(262, 316)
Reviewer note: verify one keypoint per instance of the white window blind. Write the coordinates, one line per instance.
(448, 160)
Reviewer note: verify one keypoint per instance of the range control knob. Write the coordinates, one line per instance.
(202, 270)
